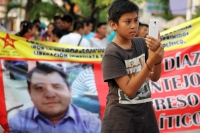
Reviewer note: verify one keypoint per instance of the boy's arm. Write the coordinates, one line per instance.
(131, 85)
(156, 72)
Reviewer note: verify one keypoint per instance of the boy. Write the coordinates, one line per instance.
(129, 107)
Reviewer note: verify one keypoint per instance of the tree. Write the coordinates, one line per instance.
(47, 10)
(27, 7)
(167, 13)
(92, 8)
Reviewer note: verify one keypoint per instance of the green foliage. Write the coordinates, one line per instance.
(198, 13)
(167, 14)
(44, 9)
(103, 15)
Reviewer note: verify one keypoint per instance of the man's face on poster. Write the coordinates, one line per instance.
(49, 93)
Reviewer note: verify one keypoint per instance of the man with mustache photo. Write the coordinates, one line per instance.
(52, 112)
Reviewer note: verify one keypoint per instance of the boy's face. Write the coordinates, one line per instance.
(127, 26)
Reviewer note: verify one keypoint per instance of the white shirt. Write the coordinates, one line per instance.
(99, 43)
(73, 39)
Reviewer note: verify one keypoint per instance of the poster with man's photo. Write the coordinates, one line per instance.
(39, 94)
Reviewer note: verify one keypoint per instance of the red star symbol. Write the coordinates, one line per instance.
(8, 41)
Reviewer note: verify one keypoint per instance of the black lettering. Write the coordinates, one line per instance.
(184, 120)
(181, 101)
(161, 121)
(196, 59)
(193, 100)
(186, 61)
(174, 82)
(169, 61)
(193, 78)
(170, 102)
(161, 103)
(166, 83)
(170, 121)
(185, 77)
(158, 88)
(178, 121)
(196, 118)
(178, 62)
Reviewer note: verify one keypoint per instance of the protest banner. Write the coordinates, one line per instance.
(175, 96)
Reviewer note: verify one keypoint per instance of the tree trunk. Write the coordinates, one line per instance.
(29, 5)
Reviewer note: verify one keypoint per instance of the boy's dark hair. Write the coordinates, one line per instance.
(67, 18)
(141, 24)
(120, 7)
(58, 32)
(78, 25)
(100, 24)
(45, 69)
(57, 17)
(36, 21)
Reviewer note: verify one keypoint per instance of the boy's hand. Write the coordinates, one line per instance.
(152, 43)
(157, 56)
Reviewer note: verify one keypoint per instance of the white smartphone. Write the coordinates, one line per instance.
(153, 28)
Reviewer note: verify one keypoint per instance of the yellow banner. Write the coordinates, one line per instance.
(181, 36)
(13, 47)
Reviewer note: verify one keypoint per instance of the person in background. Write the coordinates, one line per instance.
(67, 24)
(38, 23)
(84, 83)
(28, 31)
(143, 30)
(21, 27)
(58, 21)
(75, 38)
(88, 30)
(99, 39)
(38, 32)
(57, 34)
(43, 26)
(48, 36)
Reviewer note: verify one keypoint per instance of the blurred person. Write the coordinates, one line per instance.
(143, 30)
(83, 83)
(52, 110)
(48, 36)
(67, 24)
(99, 39)
(39, 24)
(28, 31)
(75, 38)
(57, 34)
(88, 30)
(58, 22)
(38, 32)
(21, 27)
(43, 26)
